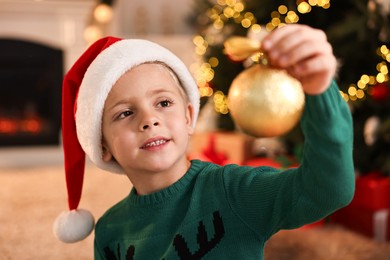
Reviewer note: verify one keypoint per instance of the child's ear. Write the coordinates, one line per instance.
(107, 155)
(190, 118)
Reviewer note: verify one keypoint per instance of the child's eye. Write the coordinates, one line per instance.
(124, 114)
(166, 103)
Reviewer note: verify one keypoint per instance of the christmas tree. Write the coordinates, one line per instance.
(358, 31)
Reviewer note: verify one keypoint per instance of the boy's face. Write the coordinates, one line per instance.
(147, 121)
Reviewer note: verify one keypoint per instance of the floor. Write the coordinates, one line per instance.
(24, 157)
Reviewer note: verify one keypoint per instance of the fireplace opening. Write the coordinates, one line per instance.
(30, 93)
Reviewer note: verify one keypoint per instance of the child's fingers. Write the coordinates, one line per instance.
(290, 44)
(291, 35)
(301, 52)
(305, 51)
(277, 35)
(315, 73)
(315, 64)
(291, 50)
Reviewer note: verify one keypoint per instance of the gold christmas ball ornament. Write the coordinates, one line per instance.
(265, 102)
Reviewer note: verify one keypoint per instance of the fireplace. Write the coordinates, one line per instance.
(30, 93)
(39, 41)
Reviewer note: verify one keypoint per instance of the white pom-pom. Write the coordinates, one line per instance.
(73, 226)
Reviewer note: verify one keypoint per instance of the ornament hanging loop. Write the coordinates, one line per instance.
(262, 59)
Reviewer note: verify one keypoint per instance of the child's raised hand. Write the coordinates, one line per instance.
(305, 53)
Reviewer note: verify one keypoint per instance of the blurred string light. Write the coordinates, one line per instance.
(225, 11)
(366, 83)
(101, 17)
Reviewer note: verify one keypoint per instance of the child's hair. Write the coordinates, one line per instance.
(85, 89)
(174, 76)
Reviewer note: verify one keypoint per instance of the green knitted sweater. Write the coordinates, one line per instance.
(229, 212)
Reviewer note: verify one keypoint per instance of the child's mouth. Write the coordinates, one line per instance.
(154, 143)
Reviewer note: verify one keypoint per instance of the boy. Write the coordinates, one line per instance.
(136, 109)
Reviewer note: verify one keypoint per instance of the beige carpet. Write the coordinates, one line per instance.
(31, 198)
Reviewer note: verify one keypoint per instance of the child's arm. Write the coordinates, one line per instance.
(324, 182)
(325, 178)
(327, 124)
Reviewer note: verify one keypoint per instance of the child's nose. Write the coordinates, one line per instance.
(146, 126)
(148, 120)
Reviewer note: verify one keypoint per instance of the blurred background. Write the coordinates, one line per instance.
(41, 39)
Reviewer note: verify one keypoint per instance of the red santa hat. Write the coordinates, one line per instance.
(85, 89)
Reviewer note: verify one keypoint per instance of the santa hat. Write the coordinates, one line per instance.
(85, 89)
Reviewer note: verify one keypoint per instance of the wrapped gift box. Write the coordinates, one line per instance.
(369, 210)
(263, 161)
(372, 223)
(221, 147)
(372, 191)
